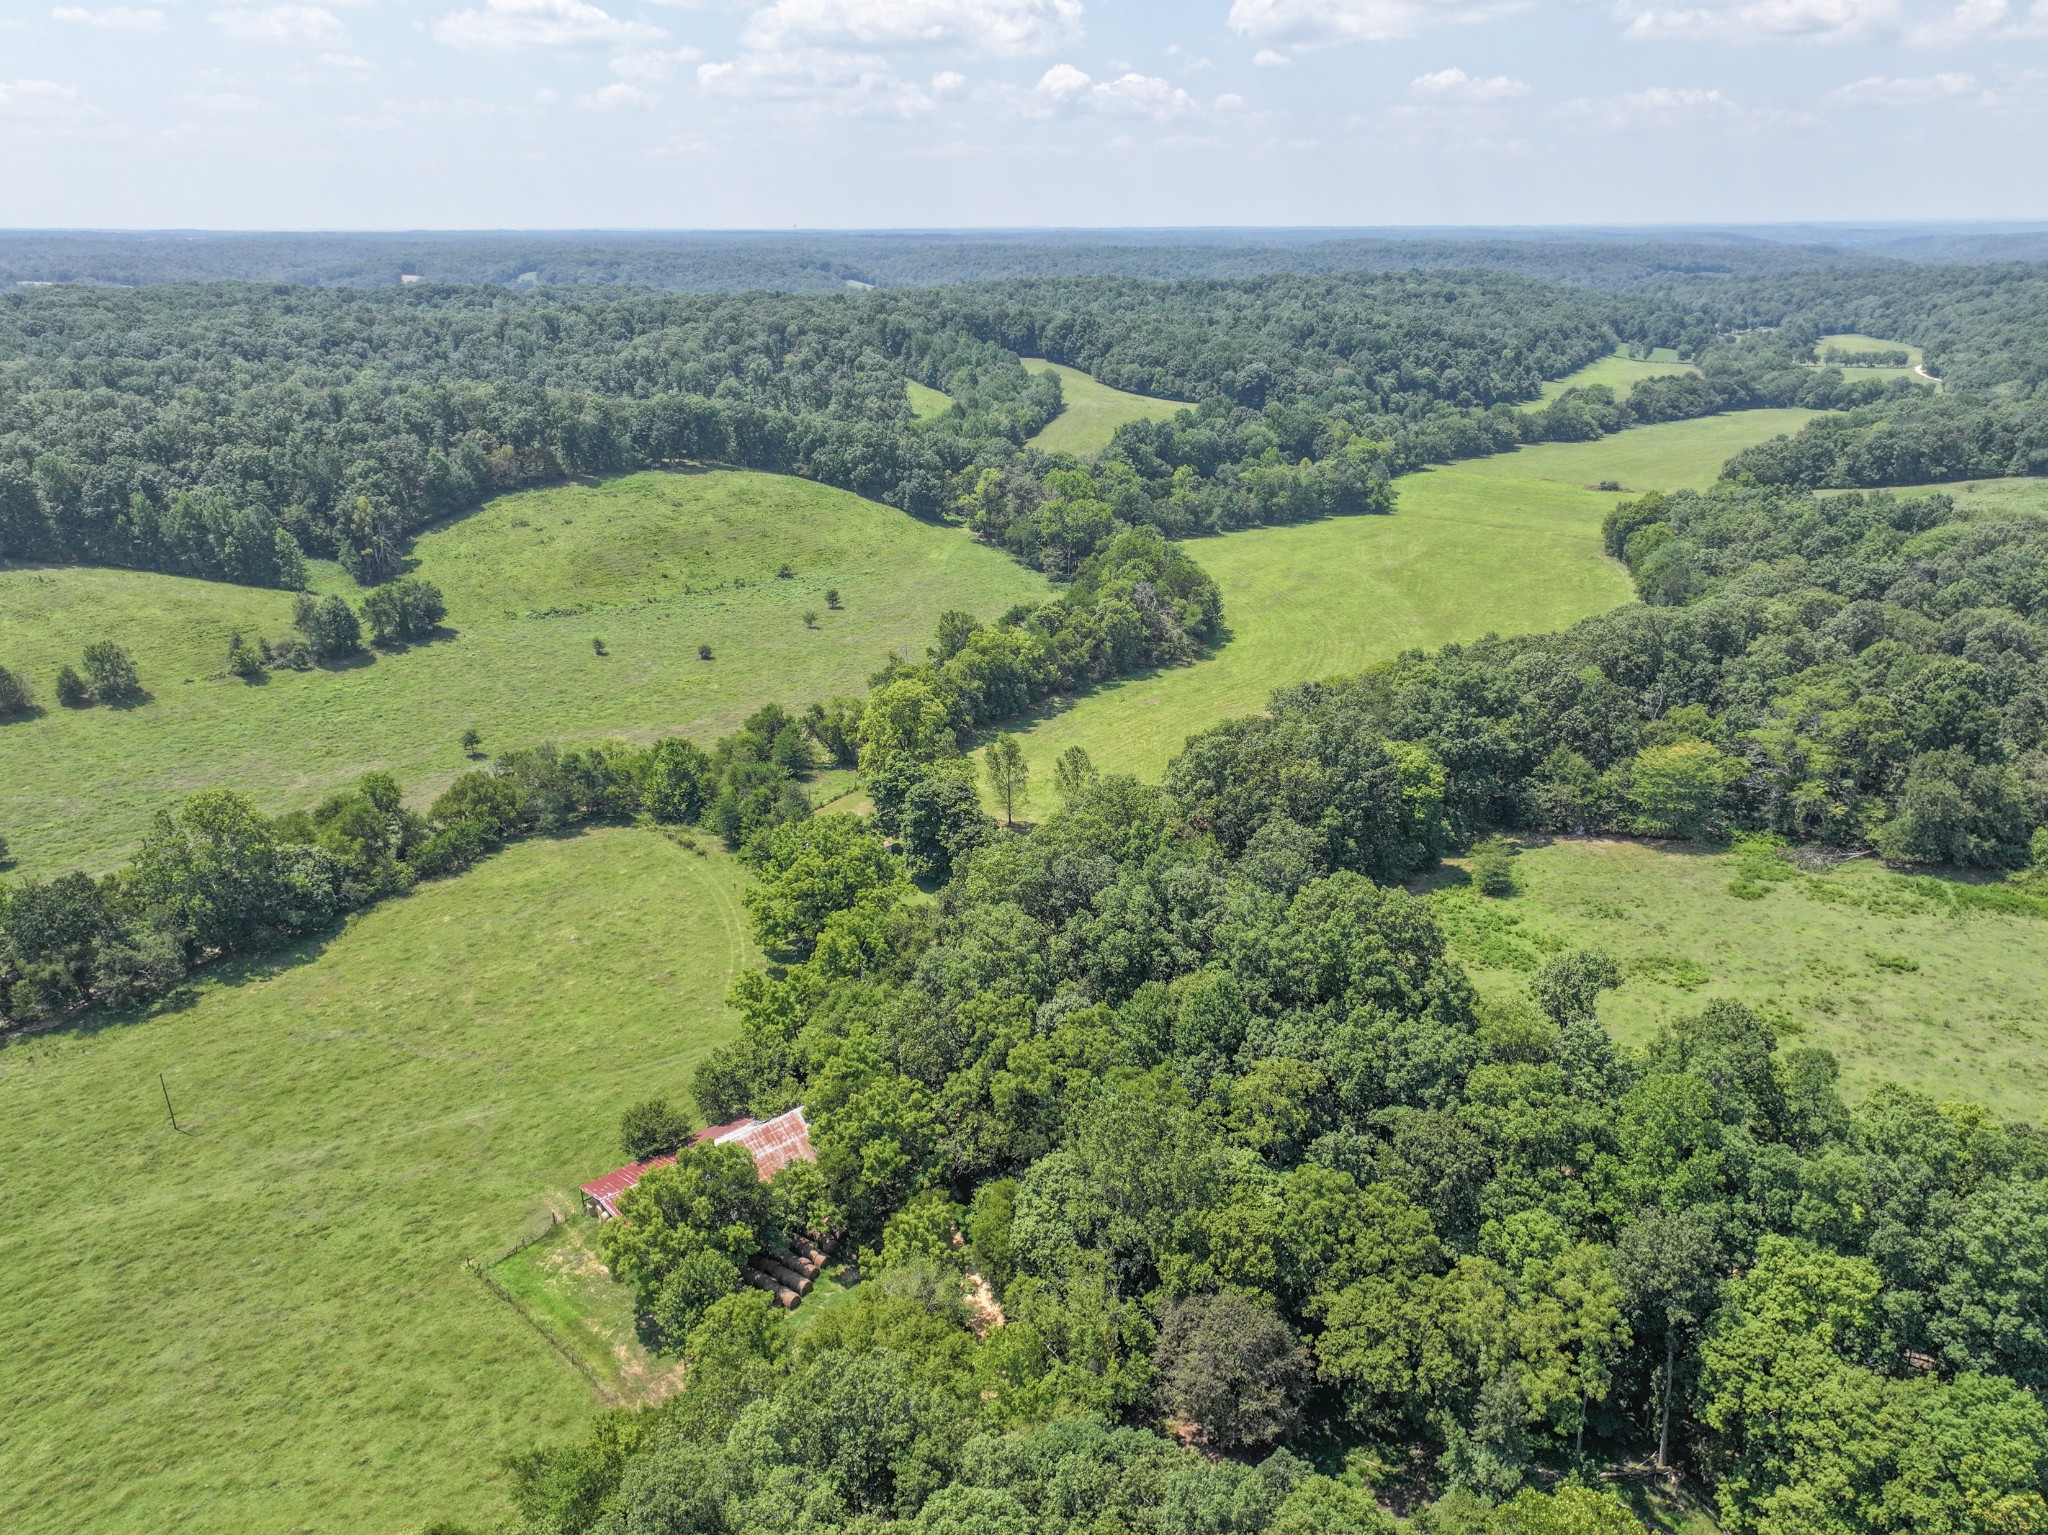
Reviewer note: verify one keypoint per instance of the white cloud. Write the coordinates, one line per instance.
(1325, 23)
(1456, 85)
(1886, 91)
(997, 27)
(947, 81)
(610, 98)
(821, 79)
(1658, 106)
(41, 101)
(1981, 20)
(1130, 94)
(1759, 20)
(1270, 58)
(311, 24)
(506, 26)
(653, 66)
(114, 18)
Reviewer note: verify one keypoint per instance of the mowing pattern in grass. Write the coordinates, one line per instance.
(1509, 545)
(1619, 373)
(654, 564)
(1900, 978)
(263, 1324)
(1092, 411)
(927, 402)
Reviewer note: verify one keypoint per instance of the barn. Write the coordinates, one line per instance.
(772, 1143)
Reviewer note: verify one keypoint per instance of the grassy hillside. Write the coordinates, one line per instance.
(1509, 545)
(263, 1324)
(653, 564)
(1882, 969)
(1985, 498)
(927, 402)
(1093, 411)
(1619, 373)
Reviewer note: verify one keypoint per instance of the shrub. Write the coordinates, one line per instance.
(112, 673)
(14, 694)
(652, 1129)
(703, 652)
(1493, 868)
(72, 691)
(244, 659)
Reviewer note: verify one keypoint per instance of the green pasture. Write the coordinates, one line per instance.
(927, 402)
(652, 564)
(1505, 545)
(1898, 976)
(1092, 411)
(1617, 372)
(1851, 341)
(2019, 496)
(264, 1323)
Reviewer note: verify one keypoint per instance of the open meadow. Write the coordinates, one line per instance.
(1505, 545)
(1618, 372)
(1894, 974)
(1851, 342)
(262, 1323)
(652, 564)
(1092, 411)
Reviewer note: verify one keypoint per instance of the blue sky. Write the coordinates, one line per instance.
(894, 113)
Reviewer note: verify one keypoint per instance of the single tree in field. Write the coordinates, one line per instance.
(703, 652)
(1008, 775)
(810, 618)
(472, 738)
(1073, 772)
(832, 598)
(112, 673)
(14, 694)
(597, 646)
(244, 660)
(72, 690)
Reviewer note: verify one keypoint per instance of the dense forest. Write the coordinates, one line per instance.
(1907, 442)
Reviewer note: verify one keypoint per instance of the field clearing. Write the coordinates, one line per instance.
(927, 402)
(1093, 411)
(1898, 984)
(1669, 455)
(1851, 341)
(1619, 373)
(2018, 496)
(1505, 545)
(263, 1324)
(653, 564)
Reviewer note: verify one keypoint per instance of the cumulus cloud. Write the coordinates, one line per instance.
(1130, 94)
(611, 98)
(1889, 91)
(1658, 106)
(1270, 58)
(819, 79)
(1325, 23)
(1738, 21)
(508, 26)
(1981, 20)
(1456, 85)
(310, 24)
(112, 18)
(41, 101)
(991, 27)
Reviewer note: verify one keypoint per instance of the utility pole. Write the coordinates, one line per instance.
(167, 1102)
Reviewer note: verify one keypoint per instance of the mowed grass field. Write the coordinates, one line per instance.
(927, 402)
(1093, 411)
(1876, 967)
(1849, 341)
(2019, 496)
(1619, 373)
(1506, 545)
(653, 564)
(263, 1324)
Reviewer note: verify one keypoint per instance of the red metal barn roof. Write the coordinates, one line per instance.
(772, 1143)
